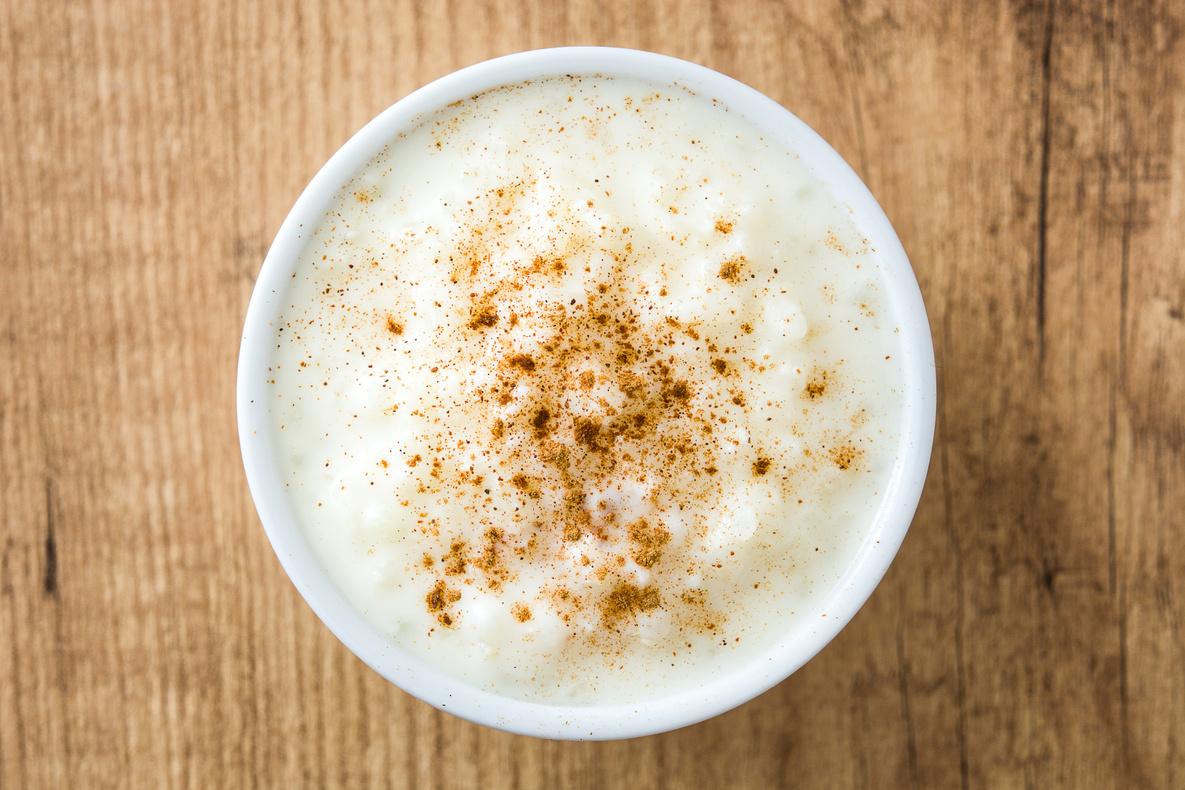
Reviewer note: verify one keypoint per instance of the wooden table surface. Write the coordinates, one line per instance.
(1032, 630)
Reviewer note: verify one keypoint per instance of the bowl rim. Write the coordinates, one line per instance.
(597, 721)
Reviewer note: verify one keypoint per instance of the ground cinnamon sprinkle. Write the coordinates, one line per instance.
(732, 270)
(587, 433)
(648, 542)
(438, 599)
(632, 384)
(522, 361)
(678, 391)
(454, 561)
(657, 411)
(556, 454)
(626, 600)
(845, 455)
(637, 405)
(489, 559)
(539, 422)
(484, 317)
(817, 385)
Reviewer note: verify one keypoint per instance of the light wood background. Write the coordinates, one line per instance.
(1032, 158)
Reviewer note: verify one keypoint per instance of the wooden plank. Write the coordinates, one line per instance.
(1146, 173)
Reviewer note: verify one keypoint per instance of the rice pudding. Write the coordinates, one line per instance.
(587, 393)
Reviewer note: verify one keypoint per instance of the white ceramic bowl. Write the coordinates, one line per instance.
(257, 434)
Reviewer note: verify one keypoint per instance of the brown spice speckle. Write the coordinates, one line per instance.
(556, 454)
(648, 542)
(436, 597)
(485, 317)
(816, 386)
(454, 561)
(522, 361)
(626, 600)
(845, 456)
(588, 433)
(733, 269)
(539, 422)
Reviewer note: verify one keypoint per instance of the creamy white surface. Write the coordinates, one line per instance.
(584, 247)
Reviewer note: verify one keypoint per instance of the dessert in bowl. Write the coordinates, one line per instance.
(586, 393)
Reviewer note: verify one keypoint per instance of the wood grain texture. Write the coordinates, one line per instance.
(1032, 630)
